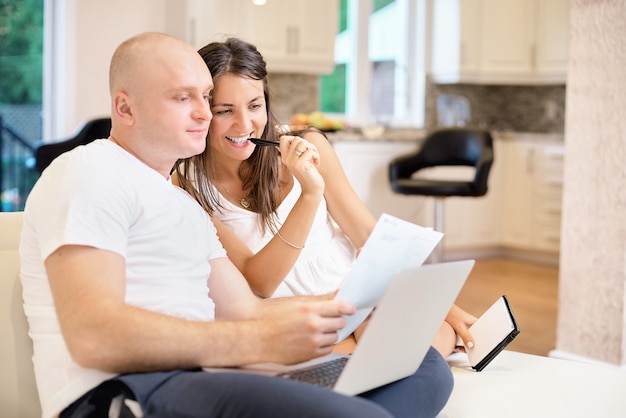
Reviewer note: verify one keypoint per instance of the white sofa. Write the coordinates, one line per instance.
(513, 385)
(517, 385)
(18, 392)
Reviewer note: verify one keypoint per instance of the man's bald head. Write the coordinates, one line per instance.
(160, 88)
(136, 57)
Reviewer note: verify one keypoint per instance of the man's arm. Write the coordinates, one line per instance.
(103, 332)
(291, 329)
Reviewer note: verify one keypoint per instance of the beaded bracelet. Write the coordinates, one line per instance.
(292, 245)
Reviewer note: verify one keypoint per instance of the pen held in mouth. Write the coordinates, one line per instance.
(259, 141)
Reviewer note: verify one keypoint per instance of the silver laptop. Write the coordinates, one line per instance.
(399, 333)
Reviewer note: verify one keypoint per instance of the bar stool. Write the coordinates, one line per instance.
(444, 147)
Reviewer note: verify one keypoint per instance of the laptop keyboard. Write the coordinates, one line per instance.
(323, 374)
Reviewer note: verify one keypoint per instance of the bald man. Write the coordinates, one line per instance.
(128, 291)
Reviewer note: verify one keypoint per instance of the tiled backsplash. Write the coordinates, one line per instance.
(293, 93)
(517, 108)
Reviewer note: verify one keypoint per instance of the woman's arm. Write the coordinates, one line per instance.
(357, 223)
(346, 208)
(266, 269)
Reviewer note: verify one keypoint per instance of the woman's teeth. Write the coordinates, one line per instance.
(238, 140)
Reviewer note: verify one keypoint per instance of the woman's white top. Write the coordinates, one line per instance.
(325, 260)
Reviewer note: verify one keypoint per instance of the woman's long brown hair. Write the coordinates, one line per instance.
(260, 172)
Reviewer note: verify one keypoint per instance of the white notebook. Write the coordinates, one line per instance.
(492, 332)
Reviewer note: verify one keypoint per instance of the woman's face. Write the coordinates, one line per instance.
(239, 112)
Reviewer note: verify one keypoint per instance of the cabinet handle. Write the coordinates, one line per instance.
(463, 55)
(296, 40)
(554, 211)
(292, 40)
(289, 40)
(530, 160)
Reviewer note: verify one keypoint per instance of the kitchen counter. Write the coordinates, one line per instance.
(390, 135)
(416, 135)
(531, 136)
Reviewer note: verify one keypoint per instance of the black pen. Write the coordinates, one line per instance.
(259, 141)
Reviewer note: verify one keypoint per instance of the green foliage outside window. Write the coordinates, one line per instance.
(333, 91)
(379, 4)
(21, 50)
(343, 15)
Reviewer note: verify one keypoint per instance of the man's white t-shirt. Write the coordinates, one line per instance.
(101, 196)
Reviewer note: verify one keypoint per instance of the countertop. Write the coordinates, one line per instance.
(416, 135)
(354, 135)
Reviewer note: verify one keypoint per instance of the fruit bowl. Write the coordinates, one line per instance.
(318, 120)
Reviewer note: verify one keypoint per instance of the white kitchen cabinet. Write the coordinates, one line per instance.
(500, 41)
(552, 34)
(366, 164)
(295, 36)
(456, 40)
(507, 38)
(475, 222)
(469, 222)
(533, 174)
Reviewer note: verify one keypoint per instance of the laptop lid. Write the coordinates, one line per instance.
(403, 326)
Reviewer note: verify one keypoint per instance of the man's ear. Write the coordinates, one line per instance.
(122, 108)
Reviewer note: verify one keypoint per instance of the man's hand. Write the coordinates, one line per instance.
(300, 329)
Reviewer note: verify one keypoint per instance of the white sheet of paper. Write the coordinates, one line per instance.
(394, 245)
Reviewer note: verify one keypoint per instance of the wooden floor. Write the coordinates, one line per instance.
(532, 291)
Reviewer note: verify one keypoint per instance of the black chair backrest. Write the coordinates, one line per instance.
(454, 146)
(449, 147)
(446, 147)
(91, 130)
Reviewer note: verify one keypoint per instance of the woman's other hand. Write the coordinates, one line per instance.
(460, 320)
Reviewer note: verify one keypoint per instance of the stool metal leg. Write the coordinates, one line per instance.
(437, 255)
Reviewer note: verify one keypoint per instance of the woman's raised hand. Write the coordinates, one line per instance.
(302, 159)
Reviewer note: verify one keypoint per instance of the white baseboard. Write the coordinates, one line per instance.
(482, 253)
(564, 355)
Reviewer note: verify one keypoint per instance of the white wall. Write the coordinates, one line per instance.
(87, 33)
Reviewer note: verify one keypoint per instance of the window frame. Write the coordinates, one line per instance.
(411, 63)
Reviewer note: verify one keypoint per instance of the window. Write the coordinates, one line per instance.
(21, 52)
(379, 75)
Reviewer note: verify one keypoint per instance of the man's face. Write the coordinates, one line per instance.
(172, 105)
